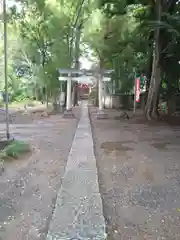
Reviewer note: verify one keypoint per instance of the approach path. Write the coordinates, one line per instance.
(78, 213)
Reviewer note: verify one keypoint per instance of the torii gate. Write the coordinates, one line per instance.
(71, 74)
(103, 76)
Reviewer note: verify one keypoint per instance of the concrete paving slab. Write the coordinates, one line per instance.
(78, 213)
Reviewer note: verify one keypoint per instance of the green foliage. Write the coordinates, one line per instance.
(122, 33)
(118, 42)
(15, 149)
(40, 40)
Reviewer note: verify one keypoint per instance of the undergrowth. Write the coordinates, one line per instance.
(14, 150)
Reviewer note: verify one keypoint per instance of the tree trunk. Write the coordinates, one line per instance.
(149, 73)
(171, 103)
(153, 94)
(155, 113)
(97, 93)
(149, 103)
(47, 100)
(77, 64)
(55, 95)
(36, 93)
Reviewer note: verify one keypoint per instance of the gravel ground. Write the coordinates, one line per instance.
(29, 186)
(139, 178)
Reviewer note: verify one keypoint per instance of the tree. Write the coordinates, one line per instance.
(117, 39)
(48, 33)
(123, 35)
(153, 94)
(157, 39)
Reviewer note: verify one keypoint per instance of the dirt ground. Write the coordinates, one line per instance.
(29, 186)
(139, 177)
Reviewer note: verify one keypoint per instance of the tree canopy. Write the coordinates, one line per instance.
(123, 35)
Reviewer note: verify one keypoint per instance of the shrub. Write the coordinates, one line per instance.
(14, 149)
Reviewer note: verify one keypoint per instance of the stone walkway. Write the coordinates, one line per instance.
(78, 212)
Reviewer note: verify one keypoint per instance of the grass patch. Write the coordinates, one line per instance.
(14, 150)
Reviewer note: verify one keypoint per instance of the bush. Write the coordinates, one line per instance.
(15, 149)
